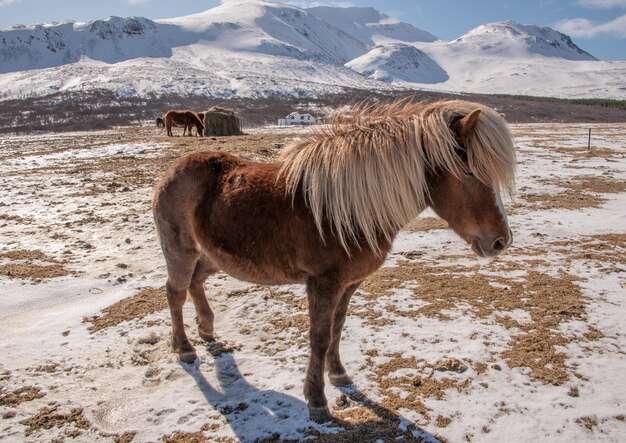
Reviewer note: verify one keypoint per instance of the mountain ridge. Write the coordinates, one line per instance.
(272, 49)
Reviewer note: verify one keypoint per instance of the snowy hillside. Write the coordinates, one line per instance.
(370, 26)
(398, 62)
(260, 48)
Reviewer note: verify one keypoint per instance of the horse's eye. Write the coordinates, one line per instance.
(468, 173)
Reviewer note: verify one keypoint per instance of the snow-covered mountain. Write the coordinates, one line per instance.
(507, 38)
(253, 48)
(509, 58)
(398, 62)
(111, 40)
(370, 26)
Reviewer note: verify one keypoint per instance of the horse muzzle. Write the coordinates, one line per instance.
(492, 246)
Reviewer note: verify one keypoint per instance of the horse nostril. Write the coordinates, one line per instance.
(499, 244)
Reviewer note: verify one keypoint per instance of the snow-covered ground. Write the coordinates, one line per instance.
(441, 345)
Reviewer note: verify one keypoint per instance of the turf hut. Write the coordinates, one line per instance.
(221, 121)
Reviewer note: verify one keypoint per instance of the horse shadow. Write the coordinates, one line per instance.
(256, 415)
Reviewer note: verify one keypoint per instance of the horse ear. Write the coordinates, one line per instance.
(468, 123)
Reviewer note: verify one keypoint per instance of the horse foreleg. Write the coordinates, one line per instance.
(169, 130)
(336, 371)
(323, 295)
(203, 310)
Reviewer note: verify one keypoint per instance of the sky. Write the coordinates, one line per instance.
(597, 26)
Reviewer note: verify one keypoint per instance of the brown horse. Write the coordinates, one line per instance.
(160, 122)
(185, 119)
(189, 127)
(327, 213)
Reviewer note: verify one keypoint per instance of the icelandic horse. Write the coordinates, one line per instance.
(189, 127)
(327, 212)
(186, 119)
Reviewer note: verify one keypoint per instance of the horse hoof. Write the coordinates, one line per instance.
(320, 414)
(340, 380)
(187, 356)
(208, 337)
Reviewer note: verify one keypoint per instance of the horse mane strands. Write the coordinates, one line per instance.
(365, 175)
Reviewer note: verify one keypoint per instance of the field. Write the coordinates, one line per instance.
(441, 345)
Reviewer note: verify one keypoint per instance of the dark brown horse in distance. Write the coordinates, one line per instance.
(186, 119)
(327, 213)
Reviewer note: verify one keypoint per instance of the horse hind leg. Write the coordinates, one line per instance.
(204, 313)
(181, 256)
(178, 282)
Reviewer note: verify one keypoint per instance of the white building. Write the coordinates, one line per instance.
(295, 118)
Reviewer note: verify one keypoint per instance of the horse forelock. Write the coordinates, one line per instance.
(365, 175)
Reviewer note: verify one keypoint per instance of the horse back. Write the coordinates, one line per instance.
(181, 118)
(238, 213)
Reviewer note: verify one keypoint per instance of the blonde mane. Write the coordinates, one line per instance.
(366, 175)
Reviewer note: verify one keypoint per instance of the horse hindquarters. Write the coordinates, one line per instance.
(176, 198)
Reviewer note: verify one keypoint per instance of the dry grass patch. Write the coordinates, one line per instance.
(582, 152)
(604, 248)
(296, 326)
(363, 420)
(414, 388)
(125, 437)
(20, 395)
(580, 192)
(32, 272)
(185, 437)
(17, 219)
(426, 224)
(587, 422)
(147, 301)
(34, 265)
(49, 417)
(549, 300)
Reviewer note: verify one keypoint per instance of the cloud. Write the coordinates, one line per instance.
(584, 28)
(136, 2)
(7, 2)
(602, 4)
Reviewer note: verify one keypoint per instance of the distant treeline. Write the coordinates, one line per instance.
(604, 102)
